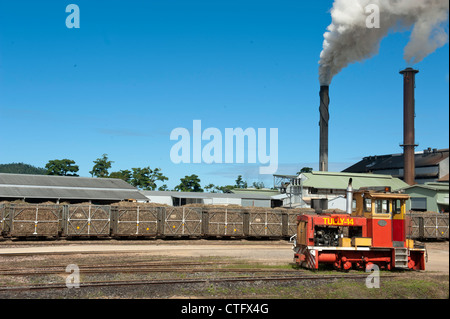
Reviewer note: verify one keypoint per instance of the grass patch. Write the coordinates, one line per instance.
(398, 288)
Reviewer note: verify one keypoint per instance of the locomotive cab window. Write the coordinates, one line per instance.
(397, 206)
(382, 206)
(367, 205)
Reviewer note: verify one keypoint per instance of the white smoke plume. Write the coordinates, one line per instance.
(349, 40)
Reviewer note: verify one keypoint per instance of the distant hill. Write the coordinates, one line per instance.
(21, 168)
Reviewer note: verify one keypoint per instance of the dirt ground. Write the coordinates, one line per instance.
(438, 258)
(269, 252)
(277, 254)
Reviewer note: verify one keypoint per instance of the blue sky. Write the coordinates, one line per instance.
(136, 70)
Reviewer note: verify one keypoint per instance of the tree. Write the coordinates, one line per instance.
(122, 174)
(210, 188)
(225, 189)
(101, 167)
(305, 170)
(240, 182)
(258, 185)
(64, 167)
(163, 188)
(145, 178)
(189, 184)
(21, 168)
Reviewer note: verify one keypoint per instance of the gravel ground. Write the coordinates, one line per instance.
(265, 253)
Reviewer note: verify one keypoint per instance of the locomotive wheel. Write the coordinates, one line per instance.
(369, 266)
(345, 264)
(411, 263)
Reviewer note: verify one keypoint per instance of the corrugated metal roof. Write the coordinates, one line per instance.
(255, 192)
(444, 187)
(205, 195)
(285, 176)
(334, 180)
(442, 199)
(280, 196)
(64, 187)
(395, 161)
(62, 181)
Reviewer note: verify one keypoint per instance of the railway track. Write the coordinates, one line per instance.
(146, 270)
(135, 266)
(215, 271)
(161, 274)
(118, 283)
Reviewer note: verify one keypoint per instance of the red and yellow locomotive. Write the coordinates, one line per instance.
(372, 231)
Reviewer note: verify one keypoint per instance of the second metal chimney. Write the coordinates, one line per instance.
(409, 145)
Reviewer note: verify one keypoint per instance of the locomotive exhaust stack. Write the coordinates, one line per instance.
(349, 197)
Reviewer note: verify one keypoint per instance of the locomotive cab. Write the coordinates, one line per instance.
(385, 214)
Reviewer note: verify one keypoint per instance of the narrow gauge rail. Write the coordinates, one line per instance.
(100, 270)
(189, 281)
(134, 264)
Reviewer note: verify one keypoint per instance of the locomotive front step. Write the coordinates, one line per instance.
(401, 258)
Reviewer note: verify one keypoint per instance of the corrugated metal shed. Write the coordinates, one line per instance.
(62, 188)
(434, 195)
(181, 198)
(249, 192)
(205, 195)
(175, 194)
(333, 180)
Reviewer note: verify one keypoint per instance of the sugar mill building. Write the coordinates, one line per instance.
(326, 190)
(43, 188)
(431, 165)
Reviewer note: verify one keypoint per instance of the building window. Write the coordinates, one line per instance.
(419, 203)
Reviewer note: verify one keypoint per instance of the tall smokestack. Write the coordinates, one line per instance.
(409, 75)
(324, 118)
